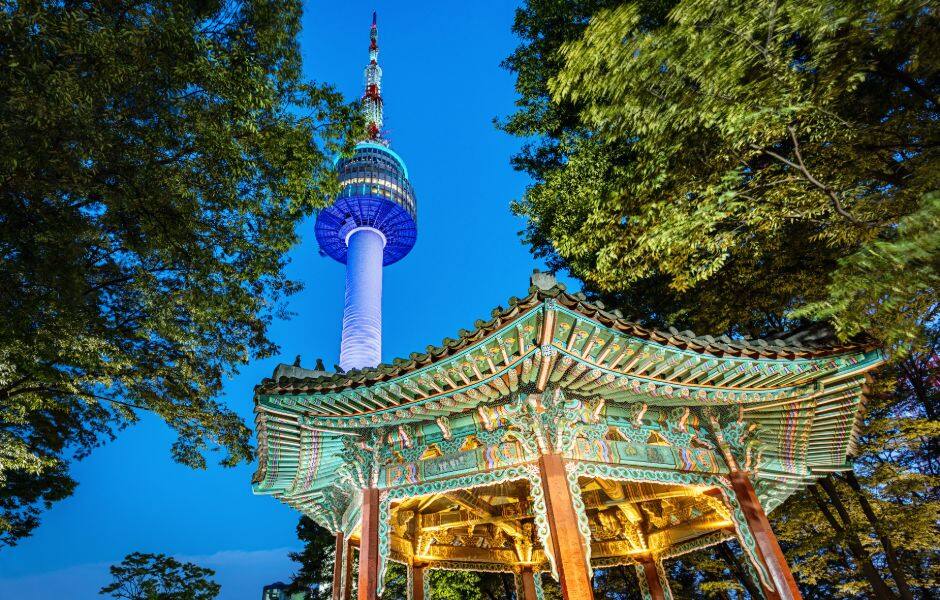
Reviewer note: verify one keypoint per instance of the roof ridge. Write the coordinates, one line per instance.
(544, 287)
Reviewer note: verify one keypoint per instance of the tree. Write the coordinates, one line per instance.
(160, 577)
(158, 156)
(748, 168)
(782, 147)
(469, 585)
(613, 583)
(876, 528)
(315, 575)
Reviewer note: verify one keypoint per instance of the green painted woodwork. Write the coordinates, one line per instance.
(621, 473)
(644, 585)
(663, 580)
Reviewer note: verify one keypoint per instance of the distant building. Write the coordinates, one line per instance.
(275, 591)
(280, 591)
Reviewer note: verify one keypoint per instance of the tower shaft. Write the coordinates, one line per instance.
(361, 345)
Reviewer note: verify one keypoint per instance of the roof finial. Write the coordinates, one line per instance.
(542, 281)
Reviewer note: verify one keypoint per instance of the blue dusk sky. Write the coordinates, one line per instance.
(443, 85)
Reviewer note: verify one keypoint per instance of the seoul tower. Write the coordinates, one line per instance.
(371, 224)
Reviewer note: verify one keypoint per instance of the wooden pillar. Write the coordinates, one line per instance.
(525, 584)
(350, 568)
(767, 547)
(656, 582)
(369, 545)
(563, 524)
(416, 585)
(339, 561)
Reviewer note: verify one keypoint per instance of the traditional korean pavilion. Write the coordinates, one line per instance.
(556, 438)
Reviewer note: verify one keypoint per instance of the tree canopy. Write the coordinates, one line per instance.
(744, 168)
(160, 577)
(788, 148)
(157, 157)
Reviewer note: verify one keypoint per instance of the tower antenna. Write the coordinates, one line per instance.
(372, 99)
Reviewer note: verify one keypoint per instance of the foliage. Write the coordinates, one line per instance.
(898, 472)
(743, 168)
(715, 572)
(158, 156)
(448, 585)
(712, 140)
(544, 25)
(868, 281)
(468, 585)
(614, 583)
(315, 574)
(160, 577)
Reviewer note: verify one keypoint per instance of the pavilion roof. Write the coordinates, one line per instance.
(804, 391)
(804, 344)
(568, 340)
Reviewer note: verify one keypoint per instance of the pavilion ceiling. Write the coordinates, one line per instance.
(493, 525)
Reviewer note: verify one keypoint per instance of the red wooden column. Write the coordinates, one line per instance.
(369, 545)
(653, 582)
(767, 546)
(563, 525)
(350, 567)
(527, 575)
(339, 560)
(417, 582)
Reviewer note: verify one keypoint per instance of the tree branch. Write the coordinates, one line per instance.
(45, 389)
(801, 167)
(910, 81)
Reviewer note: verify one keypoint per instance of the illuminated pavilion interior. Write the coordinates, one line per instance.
(557, 438)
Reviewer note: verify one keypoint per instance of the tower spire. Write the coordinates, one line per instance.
(372, 99)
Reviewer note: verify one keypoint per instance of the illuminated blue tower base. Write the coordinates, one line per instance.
(371, 224)
(362, 313)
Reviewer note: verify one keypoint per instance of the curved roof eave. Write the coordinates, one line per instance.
(720, 348)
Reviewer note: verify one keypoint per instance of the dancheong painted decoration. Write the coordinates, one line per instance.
(553, 438)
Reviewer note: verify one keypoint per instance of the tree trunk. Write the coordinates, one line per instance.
(739, 571)
(837, 528)
(894, 565)
(862, 561)
(847, 532)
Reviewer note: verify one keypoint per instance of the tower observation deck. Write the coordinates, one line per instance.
(371, 223)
